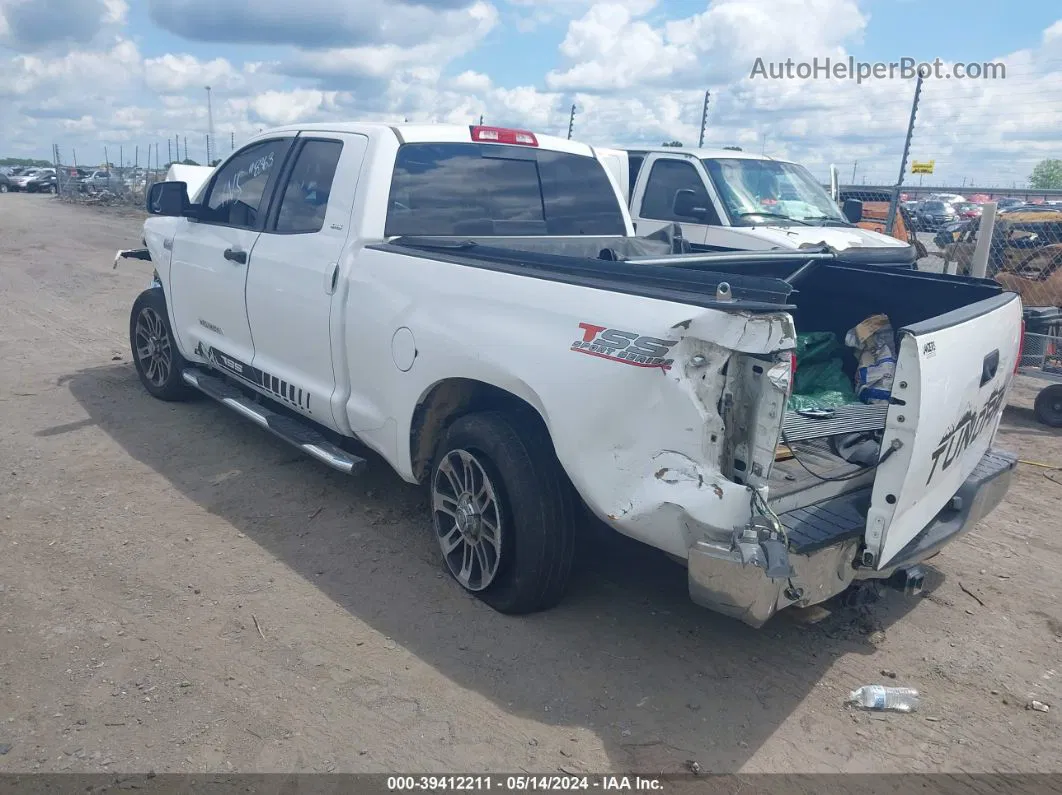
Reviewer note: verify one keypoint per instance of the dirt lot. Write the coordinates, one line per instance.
(181, 592)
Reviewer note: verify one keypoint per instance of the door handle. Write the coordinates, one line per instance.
(331, 278)
(989, 367)
(236, 255)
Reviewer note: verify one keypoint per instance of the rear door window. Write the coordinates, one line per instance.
(468, 189)
(304, 199)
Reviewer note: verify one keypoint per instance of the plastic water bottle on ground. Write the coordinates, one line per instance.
(879, 697)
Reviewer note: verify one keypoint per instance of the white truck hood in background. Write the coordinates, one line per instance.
(194, 176)
(838, 237)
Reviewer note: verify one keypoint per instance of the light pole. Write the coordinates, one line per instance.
(210, 125)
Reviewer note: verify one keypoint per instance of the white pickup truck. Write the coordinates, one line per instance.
(727, 200)
(471, 304)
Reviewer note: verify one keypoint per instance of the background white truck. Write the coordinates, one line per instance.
(470, 304)
(727, 200)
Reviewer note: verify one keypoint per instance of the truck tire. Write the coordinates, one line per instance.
(1048, 406)
(155, 356)
(503, 511)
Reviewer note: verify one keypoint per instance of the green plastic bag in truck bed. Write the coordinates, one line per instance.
(820, 382)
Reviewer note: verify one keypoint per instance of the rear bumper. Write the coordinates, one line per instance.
(725, 580)
(975, 499)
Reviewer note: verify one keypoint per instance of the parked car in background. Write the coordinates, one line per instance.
(1007, 202)
(21, 179)
(5, 182)
(934, 214)
(947, 198)
(1025, 244)
(967, 210)
(44, 181)
(100, 180)
(738, 201)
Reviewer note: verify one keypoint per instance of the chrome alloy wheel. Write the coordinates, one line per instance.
(154, 350)
(467, 519)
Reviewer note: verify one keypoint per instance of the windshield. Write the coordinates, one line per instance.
(755, 191)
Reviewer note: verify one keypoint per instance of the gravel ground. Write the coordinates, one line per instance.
(181, 592)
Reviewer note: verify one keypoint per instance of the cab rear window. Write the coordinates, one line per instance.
(469, 189)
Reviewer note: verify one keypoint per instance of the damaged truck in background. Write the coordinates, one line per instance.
(472, 304)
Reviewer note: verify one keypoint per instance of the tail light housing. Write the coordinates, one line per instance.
(1021, 347)
(503, 135)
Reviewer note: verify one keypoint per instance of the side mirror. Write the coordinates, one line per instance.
(168, 198)
(685, 205)
(853, 210)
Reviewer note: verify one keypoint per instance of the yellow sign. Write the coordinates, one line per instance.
(922, 168)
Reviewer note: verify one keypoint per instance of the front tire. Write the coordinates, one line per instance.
(503, 511)
(1048, 406)
(155, 356)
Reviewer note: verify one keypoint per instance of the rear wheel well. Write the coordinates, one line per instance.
(453, 398)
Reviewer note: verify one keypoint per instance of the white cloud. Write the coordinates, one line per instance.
(175, 74)
(341, 67)
(636, 74)
(613, 47)
(311, 23)
(287, 107)
(32, 25)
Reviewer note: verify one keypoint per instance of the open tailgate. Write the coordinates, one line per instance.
(953, 373)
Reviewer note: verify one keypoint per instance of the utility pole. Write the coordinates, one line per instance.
(106, 159)
(891, 219)
(210, 124)
(481, 120)
(57, 162)
(186, 147)
(855, 165)
(232, 141)
(176, 147)
(74, 155)
(704, 117)
(763, 149)
(571, 123)
(169, 151)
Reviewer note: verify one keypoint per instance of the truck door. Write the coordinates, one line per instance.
(212, 252)
(673, 190)
(292, 284)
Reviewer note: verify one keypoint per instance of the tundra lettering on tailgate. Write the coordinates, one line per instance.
(626, 347)
(956, 441)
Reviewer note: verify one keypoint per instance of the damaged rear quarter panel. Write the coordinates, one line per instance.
(661, 477)
(633, 414)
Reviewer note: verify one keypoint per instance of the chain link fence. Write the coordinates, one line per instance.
(971, 161)
(115, 185)
(1021, 248)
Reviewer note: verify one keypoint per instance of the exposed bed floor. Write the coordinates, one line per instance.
(791, 474)
(830, 520)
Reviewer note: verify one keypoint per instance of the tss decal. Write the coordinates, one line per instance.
(626, 347)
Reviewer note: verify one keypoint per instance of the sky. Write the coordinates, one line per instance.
(123, 74)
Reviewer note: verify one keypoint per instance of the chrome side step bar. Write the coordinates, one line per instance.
(299, 434)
